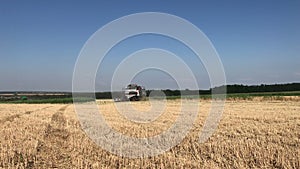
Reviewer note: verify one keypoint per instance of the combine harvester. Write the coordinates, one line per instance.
(132, 92)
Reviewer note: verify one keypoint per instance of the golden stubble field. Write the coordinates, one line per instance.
(254, 133)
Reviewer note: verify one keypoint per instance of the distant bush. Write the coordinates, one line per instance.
(23, 98)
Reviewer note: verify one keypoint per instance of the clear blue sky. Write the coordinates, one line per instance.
(258, 41)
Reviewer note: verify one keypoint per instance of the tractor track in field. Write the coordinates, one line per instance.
(11, 118)
(55, 138)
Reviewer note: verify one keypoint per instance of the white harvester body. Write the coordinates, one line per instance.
(134, 92)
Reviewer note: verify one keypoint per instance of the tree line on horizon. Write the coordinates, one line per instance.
(230, 89)
(260, 88)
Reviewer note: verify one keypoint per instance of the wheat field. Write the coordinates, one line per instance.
(257, 133)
